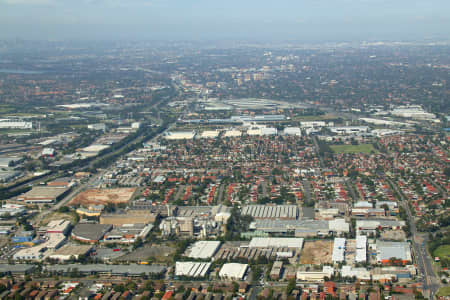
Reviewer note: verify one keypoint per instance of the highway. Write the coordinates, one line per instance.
(430, 281)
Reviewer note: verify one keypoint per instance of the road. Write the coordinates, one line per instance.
(316, 146)
(81, 187)
(431, 283)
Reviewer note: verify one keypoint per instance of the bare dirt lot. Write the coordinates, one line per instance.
(316, 252)
(103, 196)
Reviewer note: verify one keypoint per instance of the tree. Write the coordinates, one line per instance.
(291, 286)
(447, 171)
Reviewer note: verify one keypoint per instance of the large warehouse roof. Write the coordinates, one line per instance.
(338, 250)
(203, 249)
(191, 269)
(258, 242)
(271, 211)
(388, 250)
(361, 248)
(233, 271)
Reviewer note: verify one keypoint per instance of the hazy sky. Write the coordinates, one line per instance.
(309, 20)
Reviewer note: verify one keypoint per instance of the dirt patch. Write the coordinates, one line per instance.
(156, 253)
(316, 252)
(58, 216)
(103, 196)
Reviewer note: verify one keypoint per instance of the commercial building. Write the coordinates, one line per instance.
(70, 251)
(58, 226)
(315, 276)
(288, 212)
(361, 249)
(399, 252)
(338, 250)
(191, 269)
(10, 161)
(180, 135)
(15, 124)
(370, 226)
(277, 268)
(203, 249)
(359, 273)
(23, 237)
(97, 126)
(90, 233)
(273, 242)
(233, 133)
(300, 228)
(262, 131)
(295, 131)
(132, 270)
(91, 210)
(349, 130)
(43, 194)
(16, 269)
(233, 271)
(210, 134)
(12, 210)
(128, 233)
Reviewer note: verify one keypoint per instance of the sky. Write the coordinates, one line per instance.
(259, 20)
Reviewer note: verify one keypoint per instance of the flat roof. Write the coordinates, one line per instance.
(90, 231)
(18, 268)
(132, 269)
(43, 192)
(203, 249)
(273, 242)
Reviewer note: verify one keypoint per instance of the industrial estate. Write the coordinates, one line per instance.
(241, 173)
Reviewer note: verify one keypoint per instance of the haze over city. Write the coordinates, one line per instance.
(304, 20)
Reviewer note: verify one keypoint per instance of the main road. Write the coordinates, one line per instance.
(430, 281)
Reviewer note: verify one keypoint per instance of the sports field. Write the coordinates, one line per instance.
(362, 148)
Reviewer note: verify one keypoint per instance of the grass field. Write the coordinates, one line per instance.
(442, 251)
(444, 291)
(363, 148)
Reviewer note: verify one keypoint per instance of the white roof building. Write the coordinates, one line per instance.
(361, 248)
(338, 250)
(233, 133)
(360, 273)
(203, 249)
(292, 131)
(58, 226)
(180, 135)
(210, 134)
(191, 269)
(273, 242)
(339, 225)
(233, 271)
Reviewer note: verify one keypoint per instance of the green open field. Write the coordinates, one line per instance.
(442, 251)
(444, 291)
(363, 148)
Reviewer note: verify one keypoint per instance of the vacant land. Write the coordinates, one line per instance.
(316, 252)
(103, 196)
(363, 148)
(155, 253)
(59, 216)
(442, 251)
